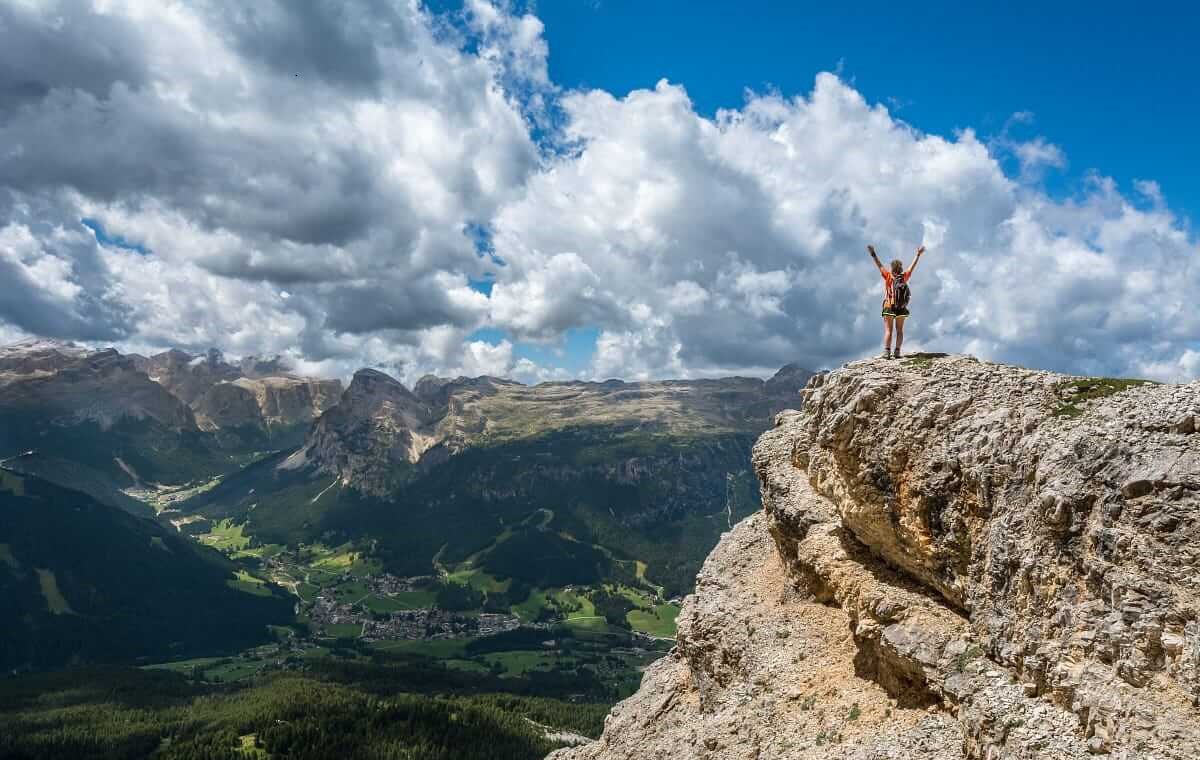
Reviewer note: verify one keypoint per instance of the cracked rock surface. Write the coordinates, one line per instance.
(972, 560)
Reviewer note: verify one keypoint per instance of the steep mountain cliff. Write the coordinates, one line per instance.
(954, 560)
(92, 420)
(255, 398)
(67, 384)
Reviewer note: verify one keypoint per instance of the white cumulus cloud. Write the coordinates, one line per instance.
(737, 243)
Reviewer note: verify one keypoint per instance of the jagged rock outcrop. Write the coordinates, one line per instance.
(374, 434)
(253, 393)
(64, 384)
(1011, 557)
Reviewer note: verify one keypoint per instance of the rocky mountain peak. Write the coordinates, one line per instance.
(367, 380)
(254, 393)
(431, 387)
(64, 383)
(1012, 552)
(373, 393)
(377, 429)
(790, 369)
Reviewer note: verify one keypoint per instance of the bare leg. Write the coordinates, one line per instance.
(899, 332)
(887, 333)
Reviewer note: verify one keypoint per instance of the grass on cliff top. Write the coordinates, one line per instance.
(922, 360)
(1075, 392)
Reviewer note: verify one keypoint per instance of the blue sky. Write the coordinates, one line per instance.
(103, 238)
(1117, 88)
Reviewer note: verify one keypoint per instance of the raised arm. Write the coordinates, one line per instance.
(914, 264)
(871, 250)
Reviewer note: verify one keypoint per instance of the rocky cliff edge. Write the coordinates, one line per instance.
(955, 559)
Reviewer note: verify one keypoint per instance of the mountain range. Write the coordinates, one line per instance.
(256, 398)
(512, 489)
(938, 556)
(102, 422)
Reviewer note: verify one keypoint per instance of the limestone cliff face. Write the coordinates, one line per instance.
(254, 393)
(955, 560)
(376, 430)
(266, 402)
(64, 384)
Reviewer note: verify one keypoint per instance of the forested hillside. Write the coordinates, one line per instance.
(81, 581)
(95, 714)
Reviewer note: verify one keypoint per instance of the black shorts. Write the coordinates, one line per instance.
(899, 312)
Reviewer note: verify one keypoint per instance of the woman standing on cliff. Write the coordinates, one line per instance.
(895, 299)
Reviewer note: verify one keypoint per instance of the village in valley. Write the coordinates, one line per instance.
(348, 607)
(412, 625)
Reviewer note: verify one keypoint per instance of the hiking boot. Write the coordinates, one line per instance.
(887, 353)
(896, 354)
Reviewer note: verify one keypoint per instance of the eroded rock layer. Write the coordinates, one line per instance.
(763, 671)
(65, 384)
(1010, 554)
(254, 393)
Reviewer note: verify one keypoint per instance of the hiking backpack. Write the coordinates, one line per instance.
(900, 293)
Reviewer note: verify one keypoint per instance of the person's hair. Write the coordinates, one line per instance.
(897, 266)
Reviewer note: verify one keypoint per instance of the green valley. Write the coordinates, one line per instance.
(471, 550)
